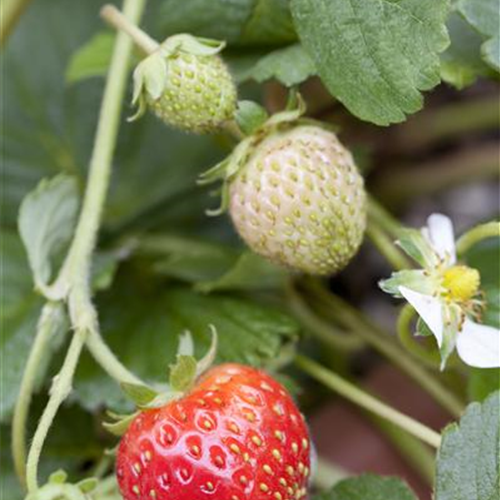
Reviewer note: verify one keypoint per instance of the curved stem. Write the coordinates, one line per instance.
(386, 247)
(61, 387)
(108, 361)
(49, 322)
(119, 21)
(367, 401)
(75, 274)
(339, 310)
(12, 10)
(406, 338)
(323, 331)
(477, 234)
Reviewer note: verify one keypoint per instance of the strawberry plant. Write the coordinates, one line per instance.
(250, 250)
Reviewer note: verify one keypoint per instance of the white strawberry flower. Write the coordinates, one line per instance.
(445, 294)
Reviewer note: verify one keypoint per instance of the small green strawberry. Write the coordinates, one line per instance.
(295, 195)
(186, 84)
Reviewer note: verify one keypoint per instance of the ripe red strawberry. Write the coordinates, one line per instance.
(236, 436)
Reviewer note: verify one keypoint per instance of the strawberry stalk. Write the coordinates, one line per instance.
(368, 402)
(122, 23)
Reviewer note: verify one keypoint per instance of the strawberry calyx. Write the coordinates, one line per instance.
(184, 374)
(151, 74)
(254, 121)
(57, 488)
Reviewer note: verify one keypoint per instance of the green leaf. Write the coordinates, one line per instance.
(417, 247)
(92, 58)
(375, 57)
(290, 66)
(482, 382)
(461, 62)
(186, 258)
(249, 272)
(369, 487)
(248, 22)
(467, 461)
(47, 220)
(142, 326)
(484, 16)
(19, 312)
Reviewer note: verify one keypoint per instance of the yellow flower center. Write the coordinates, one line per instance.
(461, 282)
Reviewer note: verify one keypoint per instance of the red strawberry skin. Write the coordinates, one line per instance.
(237, 436)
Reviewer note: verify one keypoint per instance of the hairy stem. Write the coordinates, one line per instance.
(61, 387)
(367, 402)
(122, 23)
(477, 234)
(338, 310)
(12, 10)
(48, 324)
(75, 274)
(108, 361)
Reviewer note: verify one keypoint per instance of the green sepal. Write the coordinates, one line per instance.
(140, 394)
(421, 329)
(87, 485)
(250, 116)
(413, 279)
(208, 360)
(183, 373)
(58, 477)
(120, 424)
(190, 44)
(186, 344)
(150, 76)
(414, 244)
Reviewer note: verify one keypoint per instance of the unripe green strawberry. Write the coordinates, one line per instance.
(187, 85)
(299, 200)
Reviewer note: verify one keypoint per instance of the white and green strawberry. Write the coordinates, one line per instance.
(186, 84)
(295, 195)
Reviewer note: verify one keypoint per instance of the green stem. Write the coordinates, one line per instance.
(340, 311)
(74, 278)
(384, 219)
(48, 324)
(108, 361)
(12, 10)
(61, 387)
(387, 247)
(367, 402)
(407, 338)
(416, 453)
(334, 338)
(120, 21)
(477, 234)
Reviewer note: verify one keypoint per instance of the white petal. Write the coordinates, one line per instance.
(428, 308)
(441, 237)
(479, 345)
